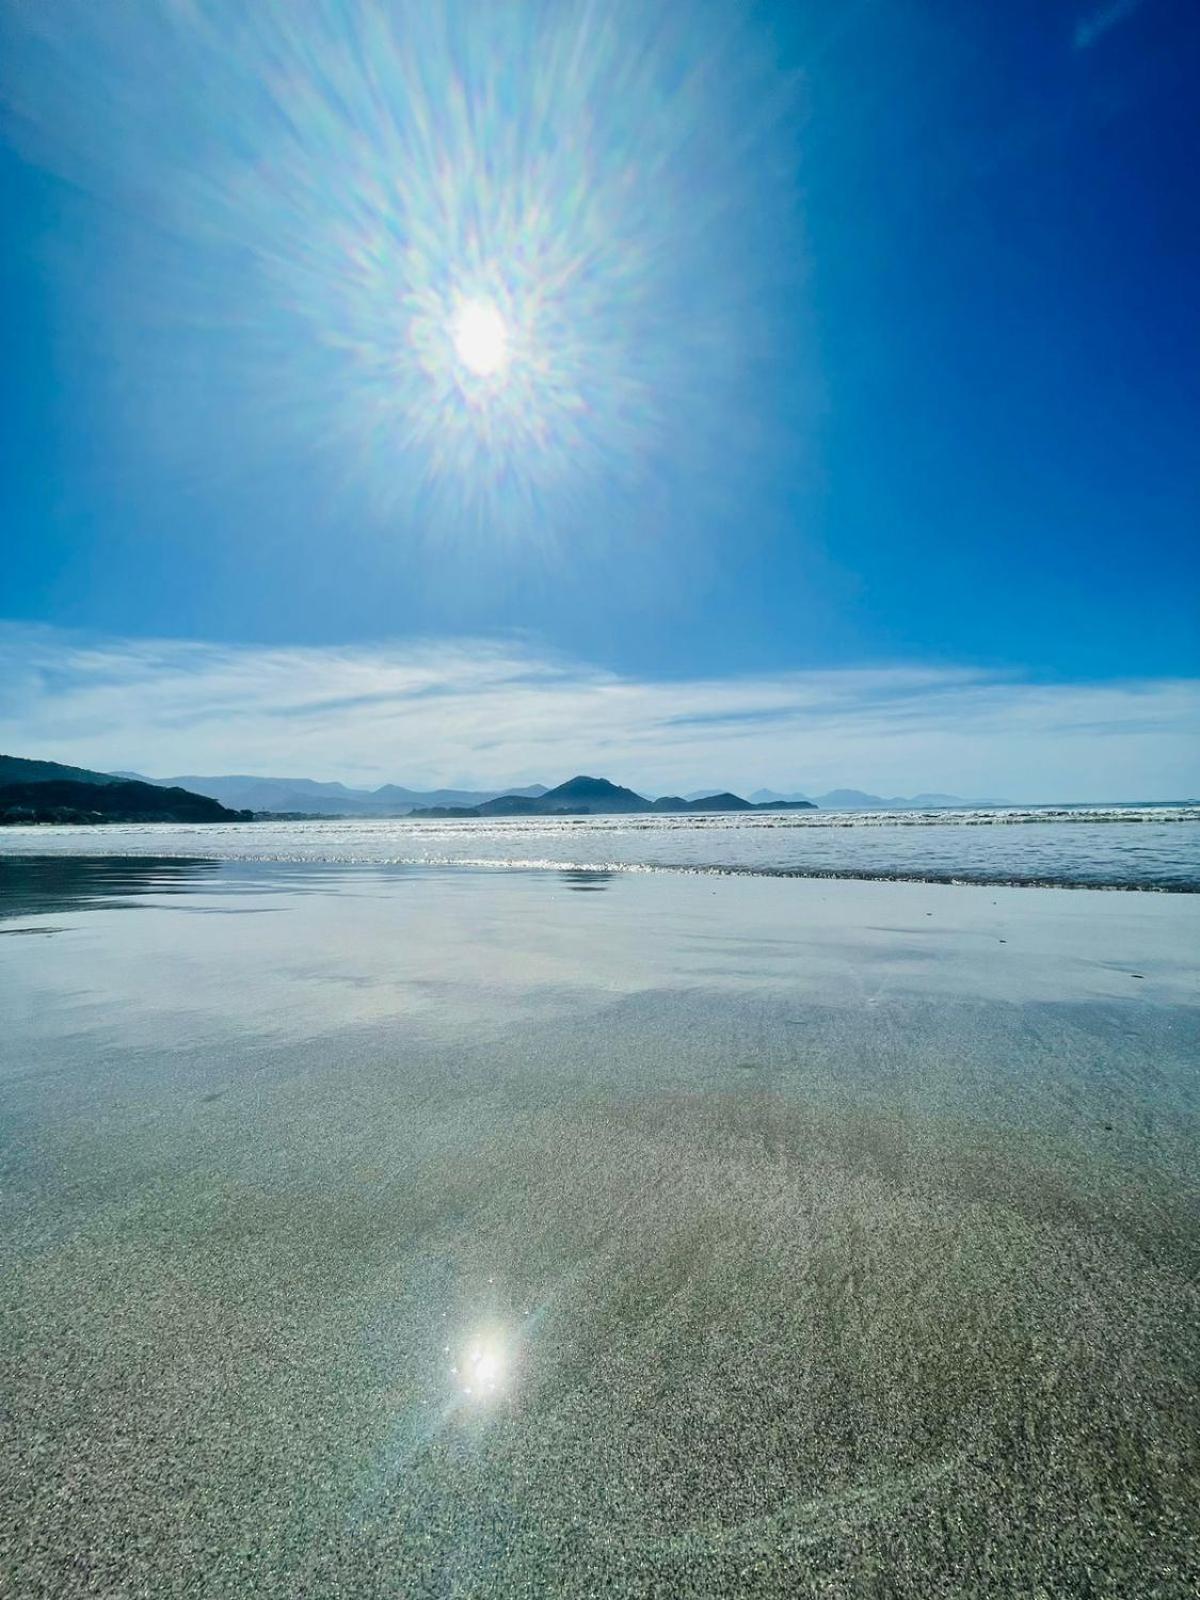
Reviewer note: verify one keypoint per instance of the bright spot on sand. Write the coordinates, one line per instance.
(483, 1369)
(480, 338)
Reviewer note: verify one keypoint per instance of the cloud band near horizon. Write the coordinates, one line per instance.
(483, 713)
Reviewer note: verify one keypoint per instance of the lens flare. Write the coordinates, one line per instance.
(479, 265)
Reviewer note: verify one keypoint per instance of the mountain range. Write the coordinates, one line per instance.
(329, 799)
(312, 798)
(45, 791)
(598, 797)
(245, 793)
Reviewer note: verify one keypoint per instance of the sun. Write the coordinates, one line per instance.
(480, 337)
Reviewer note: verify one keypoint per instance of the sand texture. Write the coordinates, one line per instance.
(832, 1240)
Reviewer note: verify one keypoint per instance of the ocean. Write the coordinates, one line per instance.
(1105, 847)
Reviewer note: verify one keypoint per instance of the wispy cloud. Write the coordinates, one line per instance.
(484, 712)
(1098, 22)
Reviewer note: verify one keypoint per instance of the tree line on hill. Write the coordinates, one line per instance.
(44, 791)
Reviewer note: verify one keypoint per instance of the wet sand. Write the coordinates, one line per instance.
(830, 1239)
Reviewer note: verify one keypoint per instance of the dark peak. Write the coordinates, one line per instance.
(20, 769)
(49, 799)
(581, 783)
(722, 802)
(583, 787)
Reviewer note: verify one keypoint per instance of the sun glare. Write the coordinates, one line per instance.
(480, 338)
(482, 1370)
(467, 259)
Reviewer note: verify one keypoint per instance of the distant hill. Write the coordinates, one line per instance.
(17, 769)
(721, 801)
(578, 796)
(504, 805)
(393, 792)
(584, 796)
(308, 796)
(327, 799)
(592, 795)
(858, 800)
(45, 791)
(766, 796)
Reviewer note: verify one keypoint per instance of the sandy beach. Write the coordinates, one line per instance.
(599, 800)
(791, 1237)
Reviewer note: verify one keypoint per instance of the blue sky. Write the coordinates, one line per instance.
(851, 365)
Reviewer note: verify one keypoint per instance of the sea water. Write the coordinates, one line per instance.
(1149, 847)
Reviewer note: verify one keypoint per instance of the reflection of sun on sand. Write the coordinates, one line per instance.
(482, 1371)
(909, 1309)
(828, 1338)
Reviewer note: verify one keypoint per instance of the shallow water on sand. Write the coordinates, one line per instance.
(790, 1236)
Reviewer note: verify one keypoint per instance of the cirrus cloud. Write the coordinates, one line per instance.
(487, 712)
